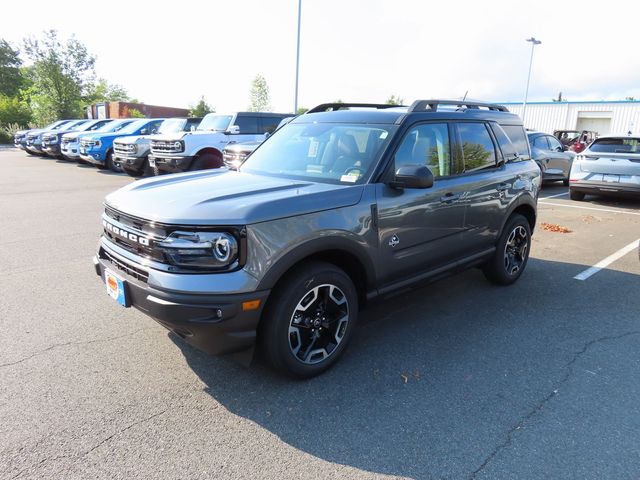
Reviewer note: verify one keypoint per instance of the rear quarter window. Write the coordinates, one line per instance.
(519, 140)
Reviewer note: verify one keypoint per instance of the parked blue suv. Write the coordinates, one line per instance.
(97, 148)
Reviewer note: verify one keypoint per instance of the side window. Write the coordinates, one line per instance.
(508, 149)
(554, 144)
(541, 143)
(426, 144)
(153, 126)
(248, 124)
(478, 150)
(269, 124)
(519, 139)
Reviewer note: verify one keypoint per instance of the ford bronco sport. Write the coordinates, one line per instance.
(344, 204)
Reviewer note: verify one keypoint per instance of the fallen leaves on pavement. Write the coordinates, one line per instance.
(552, 227)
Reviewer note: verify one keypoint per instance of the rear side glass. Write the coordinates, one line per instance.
(509, 152)
(248, 124)
(519, 140)
(541, 143)
(478, 150)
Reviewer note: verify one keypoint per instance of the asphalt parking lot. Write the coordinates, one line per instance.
(458, 379)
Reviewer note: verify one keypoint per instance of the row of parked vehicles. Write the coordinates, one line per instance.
(145, 147)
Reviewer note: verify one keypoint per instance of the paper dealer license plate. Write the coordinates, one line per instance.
(115, 287)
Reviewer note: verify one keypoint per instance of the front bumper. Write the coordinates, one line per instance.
(53, 150)
(93, 158)
(33, 148)
(214, 322)
(171, 164)
(134, 163)
(70, 151)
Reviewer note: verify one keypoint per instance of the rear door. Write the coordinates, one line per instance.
(558, 160)
(249, 126)
(421, 229)
(488, 181)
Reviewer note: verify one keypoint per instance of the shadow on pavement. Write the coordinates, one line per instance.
(436, 379)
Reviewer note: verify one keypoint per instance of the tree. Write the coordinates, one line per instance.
(103, 91)
(394, 100)
(62, 76)
(302, 110)
(14, 111)
(11, 79)
(201, 108)
(630, 99)
(259, 95)
(135, 113)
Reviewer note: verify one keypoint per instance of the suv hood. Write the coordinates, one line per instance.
(172, 137)
(223, 197)
(131, 139)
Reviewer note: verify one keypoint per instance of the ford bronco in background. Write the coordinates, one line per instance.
(346, 203)
(97, 149)
(202, 148)
(132, 152)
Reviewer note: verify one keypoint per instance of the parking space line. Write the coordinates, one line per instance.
(607, 261)
(588, 208)
(554, 196)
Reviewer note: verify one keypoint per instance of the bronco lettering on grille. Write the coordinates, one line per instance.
(125, 234)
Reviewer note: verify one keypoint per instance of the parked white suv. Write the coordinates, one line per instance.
(202, 148)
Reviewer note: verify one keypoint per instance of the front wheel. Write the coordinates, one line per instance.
(309, 320)
(512, 252)
(206, 161)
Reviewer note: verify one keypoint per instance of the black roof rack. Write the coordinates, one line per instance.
(325, 107)
(432, 105)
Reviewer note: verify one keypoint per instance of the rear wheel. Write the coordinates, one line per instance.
(309, 320)
(512, 252)
(206, 161)
(575, 195)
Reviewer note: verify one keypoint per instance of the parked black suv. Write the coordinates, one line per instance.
(344, 204)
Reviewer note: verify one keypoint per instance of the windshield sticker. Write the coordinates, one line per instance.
(351, 178)
(313, 148)
(383, 135)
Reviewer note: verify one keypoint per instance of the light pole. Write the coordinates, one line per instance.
(295, 101)
(534, 42)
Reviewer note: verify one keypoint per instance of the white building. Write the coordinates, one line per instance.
(602, 117)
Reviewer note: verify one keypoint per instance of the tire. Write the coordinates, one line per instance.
(575, 195)
(565, 182)
(304, 345)
(512, 252)
(206, 161)
(148, 170)
(111, 165)
(132, 172)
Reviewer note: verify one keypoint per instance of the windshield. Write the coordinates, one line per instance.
(113, 126)
(74, 124)
(133, 126)
(172, 125)
(215, 122)
(325, 152)
(616, 145)
(57, 125)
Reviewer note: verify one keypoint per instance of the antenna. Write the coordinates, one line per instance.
(465, 95)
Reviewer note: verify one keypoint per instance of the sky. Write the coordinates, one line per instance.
(171, 53)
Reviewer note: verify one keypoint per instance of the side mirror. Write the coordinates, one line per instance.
(266, 135)
(144, 131)
(412, 176)
(233, 130)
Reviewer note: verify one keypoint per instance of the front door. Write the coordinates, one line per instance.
(421, 229)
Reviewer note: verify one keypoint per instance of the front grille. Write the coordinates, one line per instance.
(124, 148)
(88, 143)
(131, 270)
(70, 140)
(161, 146)
(140, 227)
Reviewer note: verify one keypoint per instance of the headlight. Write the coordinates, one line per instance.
(97, 144)
(178, 146)
(53, 140)
(133, 148)
(204, 250)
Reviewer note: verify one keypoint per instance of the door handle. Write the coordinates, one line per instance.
(449, 197)
(503, 187)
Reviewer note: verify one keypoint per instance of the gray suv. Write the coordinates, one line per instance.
(344, 204)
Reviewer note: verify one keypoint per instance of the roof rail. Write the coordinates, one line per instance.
(325, 107)
(424, 105)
